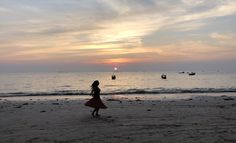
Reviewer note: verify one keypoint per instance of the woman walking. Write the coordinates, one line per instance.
(96, 101)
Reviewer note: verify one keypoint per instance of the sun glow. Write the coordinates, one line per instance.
(118, 61)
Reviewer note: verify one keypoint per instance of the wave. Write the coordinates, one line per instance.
(123, 92)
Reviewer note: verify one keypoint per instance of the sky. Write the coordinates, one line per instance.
(134, 35)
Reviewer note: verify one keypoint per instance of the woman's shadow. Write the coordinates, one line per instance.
(102, 119)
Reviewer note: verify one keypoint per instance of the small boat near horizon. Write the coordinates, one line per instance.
(113, 77)
(191, 73)
(163, 76)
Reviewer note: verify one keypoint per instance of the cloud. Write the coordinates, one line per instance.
(187, 26)
(192, 51)
(219, 36)
(4, 10)
(225, 9)
(193, 2)
(109, 28)
(225, 40)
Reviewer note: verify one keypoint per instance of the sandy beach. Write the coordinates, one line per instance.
(142, 118)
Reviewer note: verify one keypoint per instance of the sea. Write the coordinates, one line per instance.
(126, 83)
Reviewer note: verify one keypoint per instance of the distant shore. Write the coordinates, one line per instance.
(136, 118)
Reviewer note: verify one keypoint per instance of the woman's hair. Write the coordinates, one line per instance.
(95, 84)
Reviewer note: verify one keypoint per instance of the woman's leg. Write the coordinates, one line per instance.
(97, 112)
(95, 109)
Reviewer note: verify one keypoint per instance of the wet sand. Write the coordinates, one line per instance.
(139, 119)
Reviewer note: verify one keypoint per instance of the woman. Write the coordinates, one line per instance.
(96, 101)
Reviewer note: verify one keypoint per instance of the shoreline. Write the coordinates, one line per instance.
(65, 119)
(121, 96)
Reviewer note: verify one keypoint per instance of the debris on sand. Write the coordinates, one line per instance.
(111, 99)
(225, 97)
(188, 99)
(18, 106)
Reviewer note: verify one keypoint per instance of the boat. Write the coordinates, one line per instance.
(113, 77)
(163, 76)
(191, 73)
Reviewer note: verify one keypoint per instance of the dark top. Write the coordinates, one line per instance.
(96, 92)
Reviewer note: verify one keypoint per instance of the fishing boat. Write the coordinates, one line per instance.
(113, 76)
(191, 73)
(163, 76)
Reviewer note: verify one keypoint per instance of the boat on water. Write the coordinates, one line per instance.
(163, 76)
(191, 73)
(113, 77)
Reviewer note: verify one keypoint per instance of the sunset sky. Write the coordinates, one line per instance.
(135, 35)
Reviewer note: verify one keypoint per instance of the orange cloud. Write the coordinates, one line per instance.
(113, 61)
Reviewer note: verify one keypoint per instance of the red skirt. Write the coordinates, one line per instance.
(95, 103)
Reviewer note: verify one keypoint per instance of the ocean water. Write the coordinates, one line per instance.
(78, 83)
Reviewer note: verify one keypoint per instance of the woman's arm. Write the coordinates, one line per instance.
(92, 93)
